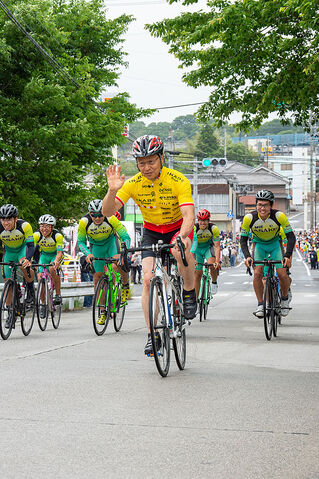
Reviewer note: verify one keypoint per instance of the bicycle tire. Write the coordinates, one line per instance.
(201, 300)
(118, 315)
(27, 316)
(101, 302)
(207, 301)
(56, 315)
(159, 326)
(43, 289)
(276, 309)
(268, 307)
(5, 310)
(179, 343)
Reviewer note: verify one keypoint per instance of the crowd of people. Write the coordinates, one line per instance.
(307, 242)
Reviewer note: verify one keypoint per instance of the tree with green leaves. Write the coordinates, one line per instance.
(53, 129)
(207, 144)
(258, 56)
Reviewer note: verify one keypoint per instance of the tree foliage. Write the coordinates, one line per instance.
(51, 131)
(258, 56)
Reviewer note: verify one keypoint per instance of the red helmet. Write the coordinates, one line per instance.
(147, 145)
(203, 215)
(118, 215)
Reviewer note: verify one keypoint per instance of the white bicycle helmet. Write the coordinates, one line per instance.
(95, 206)
(47, 220)
(8, 211)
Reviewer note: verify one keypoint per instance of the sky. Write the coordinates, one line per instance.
(153, 78)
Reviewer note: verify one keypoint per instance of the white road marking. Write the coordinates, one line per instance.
(229, 282)
(305, 265)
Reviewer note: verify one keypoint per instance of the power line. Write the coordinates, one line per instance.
(180, 106)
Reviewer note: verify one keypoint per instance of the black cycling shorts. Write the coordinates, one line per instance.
(152, 237)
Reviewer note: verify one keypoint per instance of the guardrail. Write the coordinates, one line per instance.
(71, 291)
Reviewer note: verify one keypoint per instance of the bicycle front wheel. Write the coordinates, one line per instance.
(27, 316)
(118, 315)
(43, 301)
(101, 306)
(208, 295)
(56, 315)
(159, 327)
(7, 312)
(268, 309)
(179, 342)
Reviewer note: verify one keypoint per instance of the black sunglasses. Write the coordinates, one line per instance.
(96, 215)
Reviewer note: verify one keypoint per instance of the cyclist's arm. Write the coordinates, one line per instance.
(217, 251)
(188, 212)
(291, 241)
(82, 237)
(120, 230)
(111, 202)
(28, 233)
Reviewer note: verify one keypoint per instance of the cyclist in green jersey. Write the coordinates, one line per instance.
(49, 243)
(102, 233)
(208, 248)
(265, 223)
(16, 236)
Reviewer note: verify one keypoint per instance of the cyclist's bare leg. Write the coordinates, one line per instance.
(119, 270)
(198, 276)
(187, 273)
(213, 269)
(56, 280)
(284, 281)
(258, 283)
(147, 266)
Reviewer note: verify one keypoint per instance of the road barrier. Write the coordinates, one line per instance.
(71, 291)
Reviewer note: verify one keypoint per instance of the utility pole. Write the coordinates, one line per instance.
(234, 212)
(311, 171)
(195, 190)
(225, 145)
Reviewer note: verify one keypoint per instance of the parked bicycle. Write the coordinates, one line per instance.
(45, 305)
(271, 300)
(14, 304)
(107, 299)
(205, 292)
(167, 322)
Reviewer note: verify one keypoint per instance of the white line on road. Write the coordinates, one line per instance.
(229, 282)
(305, 265)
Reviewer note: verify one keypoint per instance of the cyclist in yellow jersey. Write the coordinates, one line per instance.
(49, 247)
(165, 200)
(265, 223)
(16, 236)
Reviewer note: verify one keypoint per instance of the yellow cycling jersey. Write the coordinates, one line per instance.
(22, 233)
(160, 201)
(265, 230)
(208, 235)
(51, 244)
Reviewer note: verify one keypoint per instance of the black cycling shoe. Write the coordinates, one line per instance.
(190, 304)
(57, 300)
(42, 311)
(148, 350)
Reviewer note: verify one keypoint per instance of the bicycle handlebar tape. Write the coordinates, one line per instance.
(181, 246)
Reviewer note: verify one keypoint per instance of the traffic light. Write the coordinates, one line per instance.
(214, 162)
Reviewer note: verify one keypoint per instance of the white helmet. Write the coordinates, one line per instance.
(95, 206)
(47, 220)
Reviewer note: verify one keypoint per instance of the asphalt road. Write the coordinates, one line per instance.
(75, 405)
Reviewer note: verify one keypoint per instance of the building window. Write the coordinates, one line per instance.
(286, 166)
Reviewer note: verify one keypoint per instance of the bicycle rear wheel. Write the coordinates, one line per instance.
(27, 315)
(159, 327)
(268, 309)
(101, 310)
(43, 299)
(118, 315)
(7, 312)
(179, 343)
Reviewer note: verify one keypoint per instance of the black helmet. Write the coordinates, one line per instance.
(265, 195)
(8, 211)
(147, 145)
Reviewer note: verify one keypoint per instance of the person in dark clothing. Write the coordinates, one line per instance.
(313, 258)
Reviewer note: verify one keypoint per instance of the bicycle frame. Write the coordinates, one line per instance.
(203, 283)
(159, 271)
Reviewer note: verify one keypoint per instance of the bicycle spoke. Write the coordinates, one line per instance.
(159, 327)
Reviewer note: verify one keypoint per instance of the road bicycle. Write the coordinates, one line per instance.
(45, 305)
(205, 292)
(107, 298)
(271, 300)
(166, 316)
(14, 305)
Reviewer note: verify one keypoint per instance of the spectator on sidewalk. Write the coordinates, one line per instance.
(86, 276)
(313, 258)
(136, 267)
